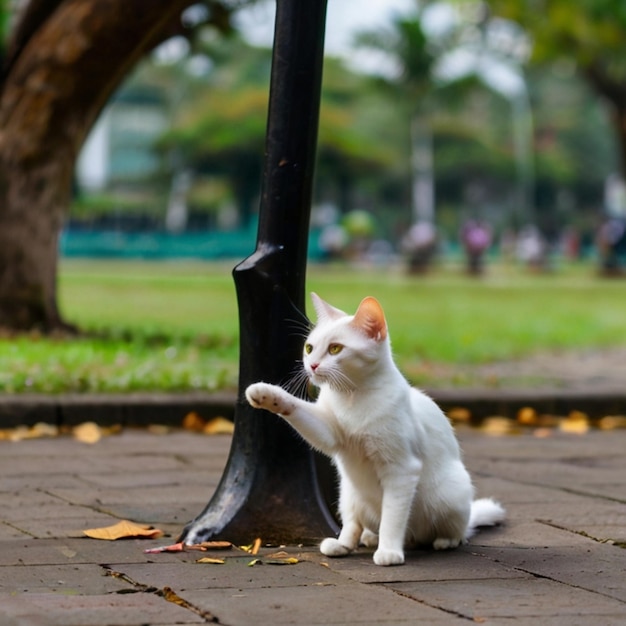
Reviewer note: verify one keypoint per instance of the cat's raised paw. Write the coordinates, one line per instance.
(388, 557)
(331, 547)
(269, 397)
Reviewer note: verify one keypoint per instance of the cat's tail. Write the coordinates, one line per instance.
(485, 512)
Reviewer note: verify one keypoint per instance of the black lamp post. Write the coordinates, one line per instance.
(269, 488)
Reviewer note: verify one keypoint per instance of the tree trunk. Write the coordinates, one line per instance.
(614, 92)
(58, 77)
(619, 123)
(422, 174)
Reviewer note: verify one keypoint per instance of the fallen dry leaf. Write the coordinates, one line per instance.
(87, 432)
(527, 416)
(213, 545)
(576, 423)
(192, 421)
(459, 414)
(40, 429)
(219, 426)
(124, 530)
(208, 559)
(176, 547)
(542, 433)
(182, 547)
(611, 422)
(252, 548)
(497, 426)
(255, 546)
(281, 554)
(158, 429)
(289, 561)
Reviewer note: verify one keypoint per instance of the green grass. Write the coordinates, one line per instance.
(173, 326)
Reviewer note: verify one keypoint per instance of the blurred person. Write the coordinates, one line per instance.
(476, 238)
(420, 244)
(531, 247)
(611, 242)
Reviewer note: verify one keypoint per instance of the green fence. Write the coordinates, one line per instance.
(160, 245)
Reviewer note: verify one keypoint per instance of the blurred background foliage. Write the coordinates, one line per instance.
(206, 147)
(507, 112)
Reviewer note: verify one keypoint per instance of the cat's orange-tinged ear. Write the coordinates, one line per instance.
(370, 318)
(324, 311)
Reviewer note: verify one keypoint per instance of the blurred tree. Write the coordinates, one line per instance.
(221, 130)
(63, 59)
(411, 84)
(591, 33)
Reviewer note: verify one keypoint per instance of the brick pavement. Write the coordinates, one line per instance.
(560, 559)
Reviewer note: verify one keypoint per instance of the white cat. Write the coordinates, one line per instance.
(402, 480)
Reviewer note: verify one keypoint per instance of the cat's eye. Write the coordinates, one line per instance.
(335, 348)
(308, 348)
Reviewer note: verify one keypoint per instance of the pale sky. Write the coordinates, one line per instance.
(344, 18)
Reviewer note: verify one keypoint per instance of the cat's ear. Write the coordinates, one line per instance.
(370, 318)
(324, 311)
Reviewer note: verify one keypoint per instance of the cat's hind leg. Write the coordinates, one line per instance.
(442, 543)
(369, 538)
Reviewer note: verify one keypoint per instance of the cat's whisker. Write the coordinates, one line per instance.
(298, 381)
(299, 327)
(340, 381)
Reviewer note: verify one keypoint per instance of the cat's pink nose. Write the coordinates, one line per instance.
(314, 366)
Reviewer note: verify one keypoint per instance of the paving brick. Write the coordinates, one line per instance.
(53, 609)
(538, 568)
(235, 573)
(71, 524)
(595, 567)
(463, 563)
(314, 604)
(29, 551)
(74, 579)
(530, 597)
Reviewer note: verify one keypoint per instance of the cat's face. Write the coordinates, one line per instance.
(342, 349)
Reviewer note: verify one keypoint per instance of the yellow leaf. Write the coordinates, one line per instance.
(459, 414)
(497, 426)
(208, 559)
(19, 433)
(158, 429)
(290, 561)
(219, 426)
(213, 545)
(253, 548)
(88, 432)
(542, 433)
(527, 416)
(124, 530)
(256, 545)
(192, 421)
(281, 554)
(611, 422)
(576, 423)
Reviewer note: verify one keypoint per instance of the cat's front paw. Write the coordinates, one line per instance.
(269, 397)
(331, 547)
(386, 557)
